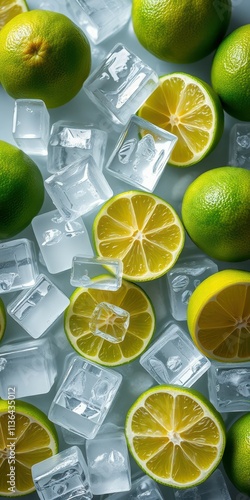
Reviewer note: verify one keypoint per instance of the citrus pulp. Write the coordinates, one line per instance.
(218, 316)
(142, 230)
(189, 108)
(35, 440)
(175, 435)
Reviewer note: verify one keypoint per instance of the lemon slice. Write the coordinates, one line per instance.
(34, 438)
(10, 9)
(143, 231)
(139, 333)
(190, 109)
(175, 435)
(218, 316)
(2, 319)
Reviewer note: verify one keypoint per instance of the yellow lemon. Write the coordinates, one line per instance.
(218, 316)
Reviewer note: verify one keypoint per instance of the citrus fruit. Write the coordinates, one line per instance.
(21, 190)
(175, 435)
(2, 319)
(218, 316)
(10, 9)
(34, 438)
(216, 213)
(182, 31)
(189, 108)
(236, 459)
(78, 315)
(43, 55)
(142, 230)
(230, 73)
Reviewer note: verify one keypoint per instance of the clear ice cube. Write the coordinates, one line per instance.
(71, 142)
(63, 476)
(109, 322)
(29, 366)
(108, 463)
(182, 280)
(239, 145)
(174, 359)
(229, 386)
(59, 240)
(31, 123)
(18, 265)
(84, 396)
(141, 154)
(96, 272)
(120, 84)
(37, 308)
(78, 189)
(100, 18)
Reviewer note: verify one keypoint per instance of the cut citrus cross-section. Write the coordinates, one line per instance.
(219, 316)
(143, 231)
(175, 435)
(34, 438)
(188, 108)
(10, 9)
(141, 326)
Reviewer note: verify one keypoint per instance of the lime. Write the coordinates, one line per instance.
(21, 190)
(141, 326)
(43, 55)
(35, 439)
(230, 74)
(182, 31)
(189, 108)
(2, 319)
(143, 231)
(218, 316)
(216, 213)
(10, 9)
(175, 435)
(236, 459)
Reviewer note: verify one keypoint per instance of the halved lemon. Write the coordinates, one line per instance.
(10, 9)
(218, 316)
(175, 435)
(26, 438)
(189, 108)
(141, 327)
(143, 231)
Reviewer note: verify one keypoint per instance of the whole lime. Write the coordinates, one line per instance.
(180, 31)
(216, 213)
(21, 190)
(43, 55)
(2, 319)
(236, 459)
(230, 73)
